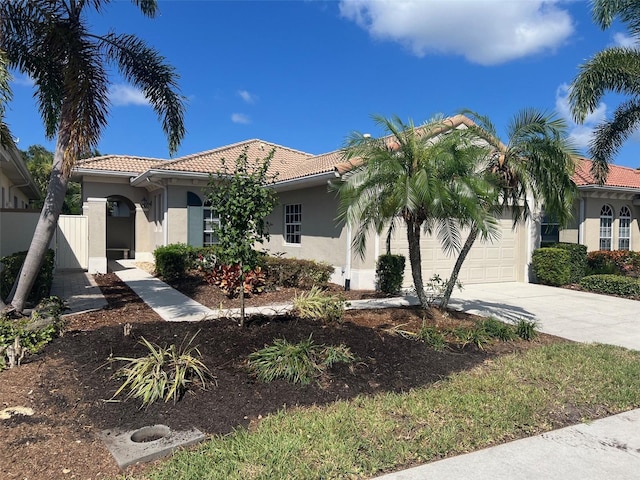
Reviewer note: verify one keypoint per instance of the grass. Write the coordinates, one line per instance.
(514, 396)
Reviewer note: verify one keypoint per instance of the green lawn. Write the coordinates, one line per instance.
(514, 396)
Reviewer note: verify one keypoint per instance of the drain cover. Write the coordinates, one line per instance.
(147, 443)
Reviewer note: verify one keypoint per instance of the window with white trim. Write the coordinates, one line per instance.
(211, 223)
(293, 223)
(624, 229)
(606, 227)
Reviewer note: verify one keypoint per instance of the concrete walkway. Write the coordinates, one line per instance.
(605, 449)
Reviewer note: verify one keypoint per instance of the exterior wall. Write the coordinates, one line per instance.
(178, 220)
(593, 204)
(11, 193)
(16, 230)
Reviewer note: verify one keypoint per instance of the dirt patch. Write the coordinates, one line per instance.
(69, 385)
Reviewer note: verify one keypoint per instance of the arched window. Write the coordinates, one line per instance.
(624, 229)
(606, 230)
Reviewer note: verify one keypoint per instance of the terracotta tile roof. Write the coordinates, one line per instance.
(119, 163)
(618, 176)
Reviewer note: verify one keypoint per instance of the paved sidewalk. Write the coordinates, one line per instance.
(79, 290)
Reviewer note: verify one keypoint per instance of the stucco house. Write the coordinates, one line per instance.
(136, 204)
(17, 190)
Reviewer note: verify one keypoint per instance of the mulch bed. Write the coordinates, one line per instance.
(69, 384)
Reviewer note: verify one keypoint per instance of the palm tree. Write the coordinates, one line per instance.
(615, 69)
(6, 139)
(49, 40)
(533, 168)
(421, 177)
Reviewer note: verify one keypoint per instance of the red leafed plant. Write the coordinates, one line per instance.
(227, 279)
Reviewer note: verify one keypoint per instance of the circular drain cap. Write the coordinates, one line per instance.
(150, 434)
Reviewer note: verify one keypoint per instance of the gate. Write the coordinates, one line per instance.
(72, 242)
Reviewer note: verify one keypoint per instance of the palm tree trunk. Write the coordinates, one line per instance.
(47, 222)
(415, 259)
(473, 234)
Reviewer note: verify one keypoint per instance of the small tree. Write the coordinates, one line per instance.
(242, 200)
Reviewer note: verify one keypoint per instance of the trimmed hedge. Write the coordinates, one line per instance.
(11, 268)
(552, 266)
(292, 272)
(577, 259)
(172, 261)
(390, 273)
(612, 285)
(618, 262)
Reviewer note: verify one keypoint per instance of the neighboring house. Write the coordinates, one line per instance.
(17, 190)
(136, 204)
(606, 217)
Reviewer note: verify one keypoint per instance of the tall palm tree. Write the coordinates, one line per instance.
(49, 40)
(534, 168)
(6, 140)
(409, 176)
(615, 69)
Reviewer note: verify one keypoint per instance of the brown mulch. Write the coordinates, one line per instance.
(69, 384)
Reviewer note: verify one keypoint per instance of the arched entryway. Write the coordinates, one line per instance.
(121, 233)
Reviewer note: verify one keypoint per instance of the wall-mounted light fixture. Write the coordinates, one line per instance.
(145, 204)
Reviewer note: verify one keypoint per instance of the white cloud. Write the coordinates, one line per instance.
(580, 134)
(486, 32)
(23, 80)
(622, 40)
(123, 95)
(247, 96)
(240, 118)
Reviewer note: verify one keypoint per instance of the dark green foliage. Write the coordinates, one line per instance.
(292, 272)
(612, 285)
(526, 329)
(390, 273)
(173, 260)
(11, 269)
(552, 266)
(577, 259)
(296, 362)
(618, 262)
(497, 329)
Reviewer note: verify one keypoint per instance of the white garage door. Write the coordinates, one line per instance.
(500, 261)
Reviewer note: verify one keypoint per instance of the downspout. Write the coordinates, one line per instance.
(165, 211)
(347, 266)
(581, 220)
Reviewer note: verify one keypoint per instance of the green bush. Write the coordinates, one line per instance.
(612, 285)
(577, 259)
(390, 273)
(292, 272)
(552, 266)
(618, 262)
(11, 269)
(172, 261)
(526, 329)
(296, 362)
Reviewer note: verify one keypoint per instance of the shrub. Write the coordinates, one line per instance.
(612, 285)
(292, 272)
(618, 262)
(296, 362)
(390, 273)
(11, 269)
(552, 266)
(433, 337)
(164, 373)
(497, 329)
(173, 260)
(318, 305)
(577, 259)
(228, 278)
(526, 329)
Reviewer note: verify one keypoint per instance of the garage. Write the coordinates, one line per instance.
(500, 261)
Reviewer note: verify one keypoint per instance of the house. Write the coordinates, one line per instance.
(17, 191)
(136, 204)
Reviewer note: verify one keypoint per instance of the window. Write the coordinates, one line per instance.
(549, 231)
(606, 230)
(2, 203)
(15, 202)
(293, 223)
(624, 229)
(211, 222)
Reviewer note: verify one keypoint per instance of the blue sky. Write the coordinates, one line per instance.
(304, 74)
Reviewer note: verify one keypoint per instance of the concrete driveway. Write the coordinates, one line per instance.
(579, 316)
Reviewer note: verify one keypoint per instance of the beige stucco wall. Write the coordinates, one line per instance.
(16, 230)
(592, 206)
(10, 191)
